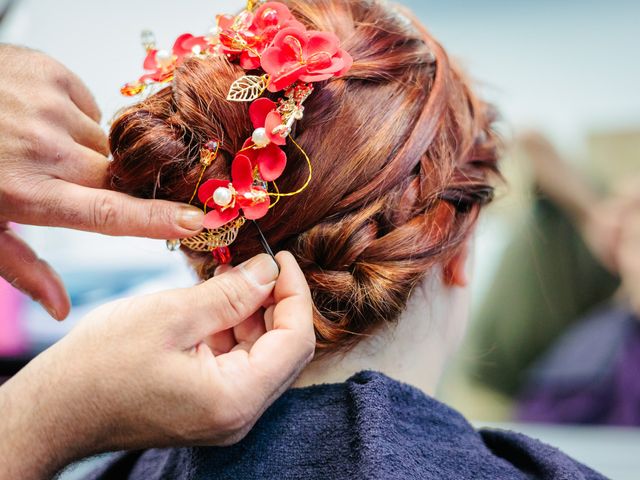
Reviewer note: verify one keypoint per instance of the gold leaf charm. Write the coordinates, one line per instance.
(211, 239)
(247, 88)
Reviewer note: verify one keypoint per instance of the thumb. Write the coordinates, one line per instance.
(20, 266)
(227, 299)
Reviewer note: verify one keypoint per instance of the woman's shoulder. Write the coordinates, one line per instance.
(370, 426)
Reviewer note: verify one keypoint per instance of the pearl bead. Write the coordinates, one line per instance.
(164, 58)
(222, 196)
(173, 245)
(260, 138)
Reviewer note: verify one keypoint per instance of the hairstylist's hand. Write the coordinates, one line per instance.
(137, 373)
(53, 169)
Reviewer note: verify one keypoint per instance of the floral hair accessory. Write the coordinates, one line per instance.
(283, 57)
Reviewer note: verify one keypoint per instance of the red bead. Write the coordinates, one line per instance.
(222, 255)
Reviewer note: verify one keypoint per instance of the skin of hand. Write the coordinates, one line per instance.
(140, 373)
(53, 172)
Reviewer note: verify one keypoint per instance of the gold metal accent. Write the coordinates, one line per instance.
(211, 239)
(252, 4)
(247, 88)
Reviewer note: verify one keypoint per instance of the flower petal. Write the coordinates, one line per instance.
(242, 173)
(321, 61)
(347, 59)
(224, 22)
(217, 218)
(326, 42)
(205, 192)
(249, 61)
(258, 111)
(250, 153)
(195, 45)
(179, 48)
(293, 41)
(259, 210)
(150, 62)
(273, 120)
(271, 162)
(271, 14)
(310, 78)
(286, 77)
(273, 60)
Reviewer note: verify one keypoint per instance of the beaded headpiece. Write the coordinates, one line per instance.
(283, 57)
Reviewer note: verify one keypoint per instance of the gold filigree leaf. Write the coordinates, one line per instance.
(198, 243)
(212, 239)
(247, 88)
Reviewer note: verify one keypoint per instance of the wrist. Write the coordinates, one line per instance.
(44, 424)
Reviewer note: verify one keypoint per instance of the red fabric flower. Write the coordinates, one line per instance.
(186, 45)
(161, 69)
(252, 200)
(263, 114)
(308, 56)
(271, 17)
(254, 32)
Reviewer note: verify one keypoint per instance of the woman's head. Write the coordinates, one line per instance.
(402, 152)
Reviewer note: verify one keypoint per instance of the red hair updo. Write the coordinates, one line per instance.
(403, 155)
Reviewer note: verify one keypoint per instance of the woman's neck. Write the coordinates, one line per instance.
(413, 351)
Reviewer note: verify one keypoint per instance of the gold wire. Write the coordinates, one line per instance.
(275, 185)
(195, 191)
(306, 184)
(248, 147)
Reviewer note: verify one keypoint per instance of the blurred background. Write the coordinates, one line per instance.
(554, 335)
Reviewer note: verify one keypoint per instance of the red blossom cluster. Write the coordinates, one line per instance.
(292, 58)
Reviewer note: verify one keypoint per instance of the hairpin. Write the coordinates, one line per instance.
(282, 56)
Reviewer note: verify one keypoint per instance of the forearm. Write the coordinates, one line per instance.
(38, 432)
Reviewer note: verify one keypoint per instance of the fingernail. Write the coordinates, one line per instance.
(50, 310)
(190, 218)
(261, 269)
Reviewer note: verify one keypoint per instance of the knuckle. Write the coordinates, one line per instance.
(103, 212)
(235, 296)
(157, 214)
(40, 142)
(50, 107)
(57, 73)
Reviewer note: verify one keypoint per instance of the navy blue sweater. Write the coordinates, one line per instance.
(370, 427)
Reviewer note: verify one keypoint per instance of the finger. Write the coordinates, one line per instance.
(221, 342)
(293, 308)
(82, 97)
(85, 131)
(279, 355)
(226, 300)
(268, 318)
(20, 266)
(82, 166)
(64, 204)
(251, 329)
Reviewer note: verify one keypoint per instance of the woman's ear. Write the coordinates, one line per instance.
(455, 270)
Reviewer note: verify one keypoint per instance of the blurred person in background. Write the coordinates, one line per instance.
(567, 261)
(589, 374)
